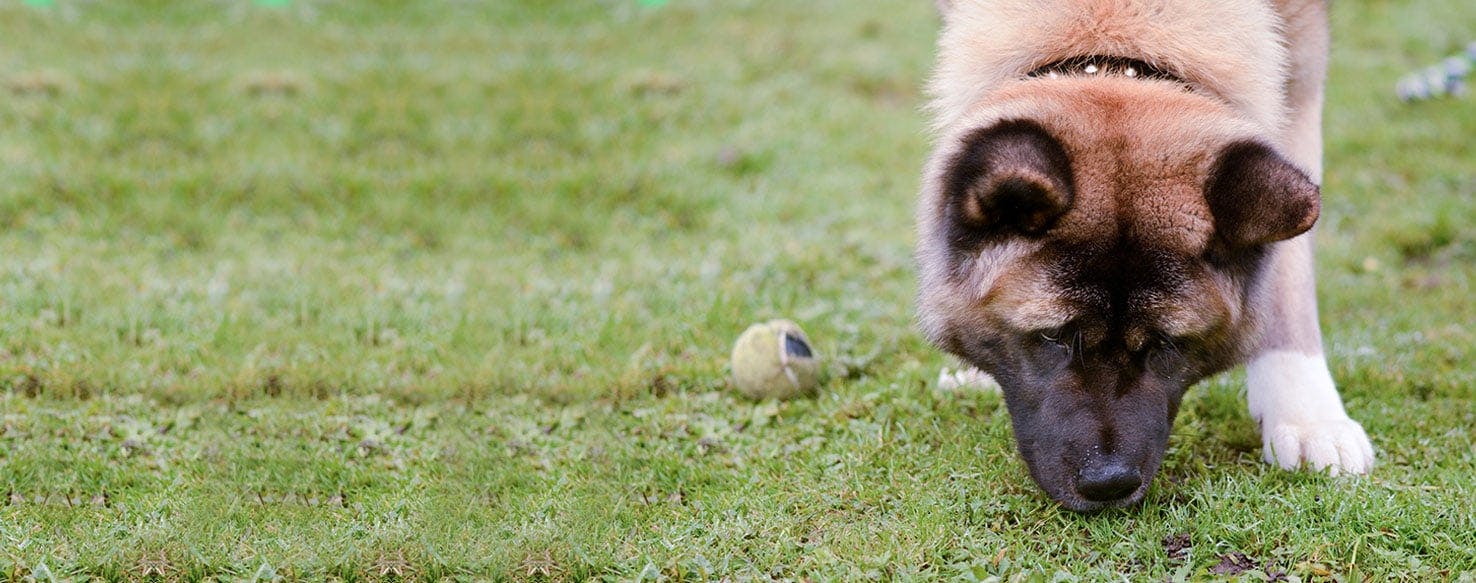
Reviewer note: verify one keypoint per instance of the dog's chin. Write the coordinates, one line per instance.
(1075, 503)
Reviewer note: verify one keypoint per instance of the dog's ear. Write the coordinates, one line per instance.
(1013, 177)
(944, 7)
(1258, 197)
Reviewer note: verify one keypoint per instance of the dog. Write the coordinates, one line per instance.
(1120, 202)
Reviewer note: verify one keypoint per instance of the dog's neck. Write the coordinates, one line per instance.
(1100, 65)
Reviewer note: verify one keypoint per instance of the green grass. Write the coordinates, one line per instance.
(375, 290)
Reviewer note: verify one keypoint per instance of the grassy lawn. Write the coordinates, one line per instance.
(380, 290)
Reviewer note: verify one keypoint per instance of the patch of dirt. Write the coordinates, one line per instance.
(1233, 564)
(1177, 546)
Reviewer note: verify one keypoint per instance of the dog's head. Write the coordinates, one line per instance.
(1095, 246)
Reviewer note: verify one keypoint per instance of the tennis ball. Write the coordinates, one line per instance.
(773, 360)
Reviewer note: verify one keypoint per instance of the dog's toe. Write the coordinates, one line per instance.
(1336, 446)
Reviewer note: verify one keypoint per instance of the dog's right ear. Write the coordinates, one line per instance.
(1009, 178)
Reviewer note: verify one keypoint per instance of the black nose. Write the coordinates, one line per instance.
(1106, 480)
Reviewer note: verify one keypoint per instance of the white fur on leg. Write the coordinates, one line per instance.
(1302, 419)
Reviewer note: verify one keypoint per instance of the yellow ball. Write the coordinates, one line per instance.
(773, 360)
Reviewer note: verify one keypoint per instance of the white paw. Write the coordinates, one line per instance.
(969, 377)
(1337, 445)
(1303, 423)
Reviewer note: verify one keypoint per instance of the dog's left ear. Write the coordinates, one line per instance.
(1012, 178)
(1258, 197)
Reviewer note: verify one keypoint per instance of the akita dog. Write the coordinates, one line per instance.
(1120, 203)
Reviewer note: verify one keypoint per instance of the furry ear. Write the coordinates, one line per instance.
(1258, 197)
(1012, 177)
(944, 7)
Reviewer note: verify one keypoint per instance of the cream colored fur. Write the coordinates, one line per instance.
(1229, 48)
(1302, 418)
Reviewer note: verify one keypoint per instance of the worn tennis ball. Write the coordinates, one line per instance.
(773, 360)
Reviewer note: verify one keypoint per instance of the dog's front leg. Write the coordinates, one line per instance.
(1290, 389)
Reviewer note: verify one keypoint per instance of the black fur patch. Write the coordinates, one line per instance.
(1106, 65)
(1010, 179)
(1257, 197)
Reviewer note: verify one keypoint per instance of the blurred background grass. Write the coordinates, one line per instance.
(445, 199)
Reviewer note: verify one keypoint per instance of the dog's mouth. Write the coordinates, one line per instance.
(1077, 503)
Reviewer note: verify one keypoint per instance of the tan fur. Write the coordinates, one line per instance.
(1026, 300)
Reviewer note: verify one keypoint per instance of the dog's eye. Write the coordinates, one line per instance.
(1166, 355)
(1163, 342)
(1056, 339)
(1054, 347)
